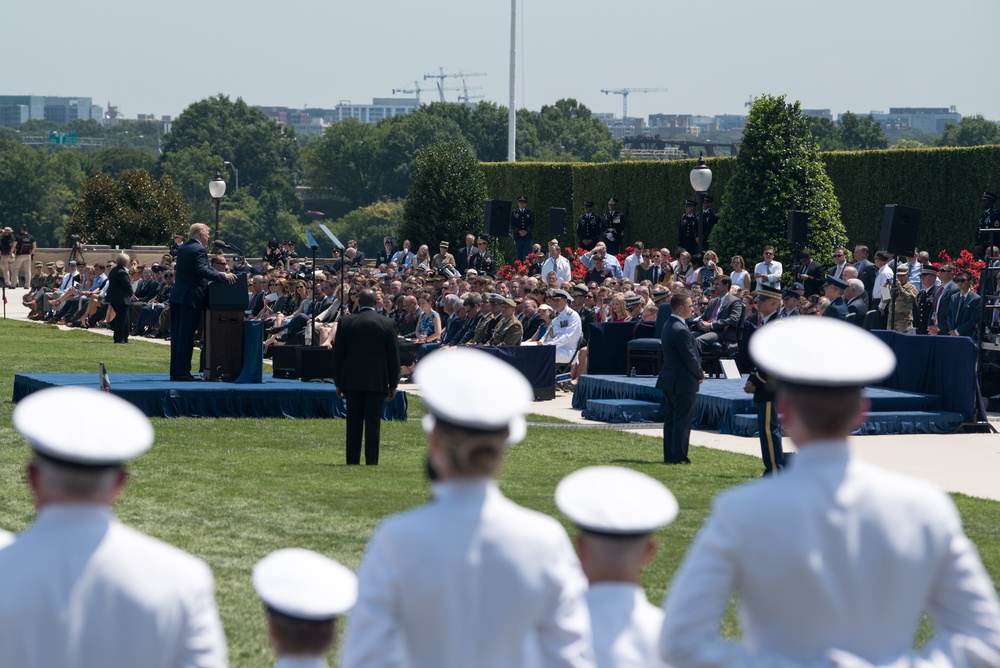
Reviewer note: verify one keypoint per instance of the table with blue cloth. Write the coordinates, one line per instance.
(536, 363)
(606, 346)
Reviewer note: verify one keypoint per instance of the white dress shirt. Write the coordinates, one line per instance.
(884, 276)
(626, 626)
(631, 262)
(565, 333)
(773, 271)
(560, 265)
(80, 589)
(467, 581)
(610, 261)
(834, 555)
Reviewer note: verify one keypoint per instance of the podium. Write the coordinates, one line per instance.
(227, 305)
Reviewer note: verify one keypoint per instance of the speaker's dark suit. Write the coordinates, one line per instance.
(365, 369)
(192, 274)
(119, 295)
(678, 380)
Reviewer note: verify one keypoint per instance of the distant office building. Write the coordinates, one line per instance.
(12, 115)
(924, 119)
(381, 107)
(734, 122)
(17, 109)
(819, 113)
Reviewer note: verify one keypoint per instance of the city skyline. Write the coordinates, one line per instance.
(868, 56)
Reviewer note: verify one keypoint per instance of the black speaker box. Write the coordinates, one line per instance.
(315, 362)
(899, 229)
(285, 361)
(798, 228)
(497, 218)
(557, 222)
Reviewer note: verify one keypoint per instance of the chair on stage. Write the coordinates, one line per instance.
(714, 353)
(871, 320)
(648, 349)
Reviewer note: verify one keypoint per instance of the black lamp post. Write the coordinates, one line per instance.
(701, 180)
(217, 189)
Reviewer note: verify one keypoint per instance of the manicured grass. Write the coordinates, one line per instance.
(230, 491)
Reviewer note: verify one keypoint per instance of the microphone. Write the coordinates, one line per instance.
(218, 245)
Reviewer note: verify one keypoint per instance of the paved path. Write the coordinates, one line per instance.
(965, 463)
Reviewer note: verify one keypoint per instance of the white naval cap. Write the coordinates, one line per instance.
(6, 538)
(615, 501)
(801, 351)
(304, 584)
(472, 389)
(93, 429)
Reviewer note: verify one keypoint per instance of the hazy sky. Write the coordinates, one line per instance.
(858, 55)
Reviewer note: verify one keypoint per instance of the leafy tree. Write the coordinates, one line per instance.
(567, 131)
(487, 132)
(402, 137)
(190, 169)
(862, 133)
(248, 223)
(908, 143)
(36, 126)
(826, 133)
(778, 170)
(446, 197)
(23, 184)
(344, 160)
(370, 224)
(971, 131)
(132, 209)
(115, 160)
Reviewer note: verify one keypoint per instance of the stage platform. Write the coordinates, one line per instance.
(157, 396)
(723, 406)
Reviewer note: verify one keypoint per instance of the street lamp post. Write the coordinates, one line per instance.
(236, 172)
(217, 188)
(701, 180)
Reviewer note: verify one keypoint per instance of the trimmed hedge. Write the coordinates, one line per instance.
(945, 183)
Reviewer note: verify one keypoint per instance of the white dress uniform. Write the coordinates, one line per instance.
(6, 538)
(80, 589)
(625, 624)
(462, 581)
(564, 333)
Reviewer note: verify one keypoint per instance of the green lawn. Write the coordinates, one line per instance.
(230, 491)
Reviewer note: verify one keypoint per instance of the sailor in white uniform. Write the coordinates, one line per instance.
(78, 588)
(836, 560)
(304, 592)
(616, 510)
(470, 579)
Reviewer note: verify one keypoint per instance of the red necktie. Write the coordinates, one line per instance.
(715, 312)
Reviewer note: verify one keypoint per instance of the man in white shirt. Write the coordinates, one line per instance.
(633, 261)
(616, 510)
(566, 330)
(884, 275)
(767, 273)
(79, 587)
(557, 263)
(610, 261)
(834, 561)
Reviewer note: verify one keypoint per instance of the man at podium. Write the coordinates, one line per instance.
(192, 275)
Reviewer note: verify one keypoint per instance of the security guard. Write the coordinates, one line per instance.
(835, 561)
(588, 228)
(303, 592)
(522, 222)
(614, 226)
(762, 386)
(616, 510)
(709, 219)
(687, 236)
(79, 587)
(470, 579)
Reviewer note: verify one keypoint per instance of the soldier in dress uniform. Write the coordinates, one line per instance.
(588, 228)
(925, 298)
(709, 219)
(835, 561)
(303, 593)
(616, 511)
(763, 387)
(522, 222)
(614, 226)
(483, 261)
(385, 255)
(508, 330)
(687, 236)
(470, 579)
(989, 219)
(79, 587)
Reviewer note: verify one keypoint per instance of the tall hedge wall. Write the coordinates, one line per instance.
(945, 183)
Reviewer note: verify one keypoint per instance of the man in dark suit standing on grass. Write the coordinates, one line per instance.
(366, 372)
(119, 297)
(679, 379)
(192, 274)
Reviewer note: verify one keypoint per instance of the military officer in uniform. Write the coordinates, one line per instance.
(588, 228)
(924, 304)
(616, 511)
(709, 219)
(522, 222)
(687, 236)
(836, 560)
(762, 386)
(303, 593)
(444, 262)
(614, 226)
(508, 330)
(483, 261)
(989, 219)
(79, 587)
(471, 579)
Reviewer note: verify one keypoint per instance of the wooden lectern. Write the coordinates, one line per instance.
(227, 305)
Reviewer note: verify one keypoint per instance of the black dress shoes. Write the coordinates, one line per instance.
(184, 379)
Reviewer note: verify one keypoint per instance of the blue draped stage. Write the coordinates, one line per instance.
(606, 347)
(157, 396)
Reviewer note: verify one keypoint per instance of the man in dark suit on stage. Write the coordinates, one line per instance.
(966, 308)
(724, 311)
(119, 297)
(679, 379)
(366, 372)
(192, 274)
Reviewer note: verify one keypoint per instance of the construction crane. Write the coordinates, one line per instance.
(416, 90)
(465, 97)
(442, 75)
(624, 93)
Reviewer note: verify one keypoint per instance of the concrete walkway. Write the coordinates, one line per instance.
(964, 463)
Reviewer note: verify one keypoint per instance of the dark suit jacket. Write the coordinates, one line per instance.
(966, 314)
(462, 257)
(946, 307)
(119, 287)
(192, 274)
(730, 315)
(836, 309)
(859, 308)
(365, 354)
(867, 276)
(814, 284)
(681, 368)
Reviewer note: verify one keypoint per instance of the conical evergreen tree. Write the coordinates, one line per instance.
(778, 170)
